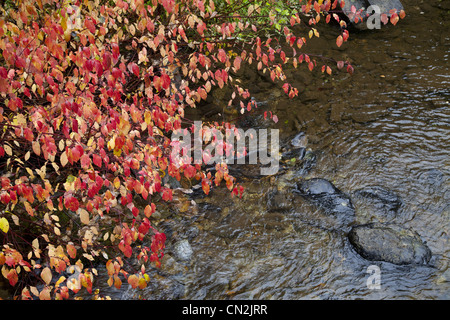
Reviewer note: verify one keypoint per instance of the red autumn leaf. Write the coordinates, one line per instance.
(71, 203)
(345, 35)
(97, 160)
(5, 197)
(85, 161)
(205, 186)
(135, 211)
(106, 60)
(189, 171)
(134, 68)
(237, 63)
(201, 26)
(222, 56)
(316, 6)
(115, 51)
(116, 73)
(165, 81)
(350, 69)
(167, 194)
(90, 25)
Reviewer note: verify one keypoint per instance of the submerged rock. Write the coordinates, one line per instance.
(300, 140)
(317, 187)
(182, 250)
(380, 198)
(390, 243)
(324, 194)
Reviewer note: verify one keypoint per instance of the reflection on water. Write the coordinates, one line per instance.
(387, 125)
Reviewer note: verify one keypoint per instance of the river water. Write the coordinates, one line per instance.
(387, 125)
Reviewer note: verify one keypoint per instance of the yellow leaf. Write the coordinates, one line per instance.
(45, 294)
(35, 245)
(84, 215)
(64, 159)
(4, 225)
(61, 145)
(36, 147)
(46, 275)
(61, 279)
(8, 150)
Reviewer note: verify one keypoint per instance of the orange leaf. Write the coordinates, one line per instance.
(133, 280)
(117, 282)
(339, 41)
(110, 267)
(12, 277)
(71, 250)
(142, 283)
(394, 19)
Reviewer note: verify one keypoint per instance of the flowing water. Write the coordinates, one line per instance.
(387, 125)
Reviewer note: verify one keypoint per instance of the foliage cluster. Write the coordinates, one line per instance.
(90, 91)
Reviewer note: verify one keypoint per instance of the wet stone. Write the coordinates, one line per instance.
(182, 250)
(300, 140)
(325, 195)
(390, 243)
(316, 187)
(379, 198)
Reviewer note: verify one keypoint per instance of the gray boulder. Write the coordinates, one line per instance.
(390, 243)
(330, 199)
(182, 250)
(316, 187)
(326, 195)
